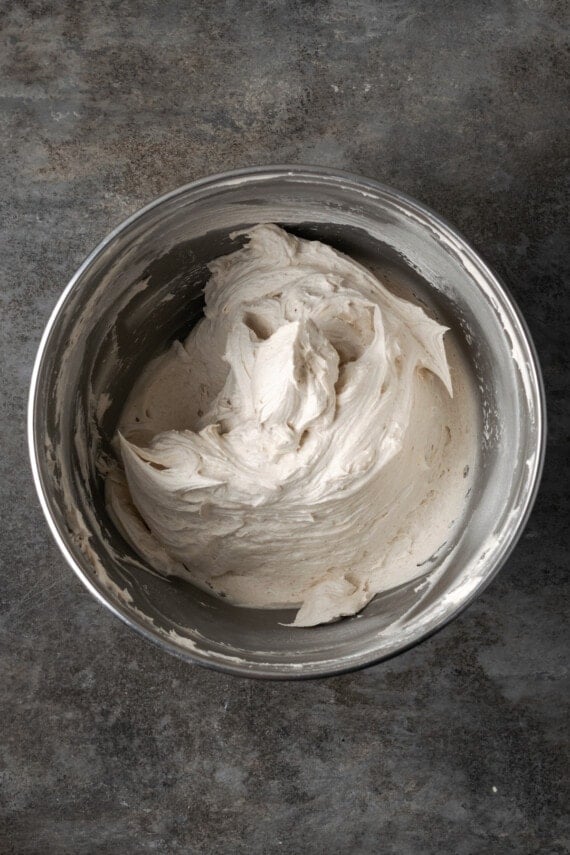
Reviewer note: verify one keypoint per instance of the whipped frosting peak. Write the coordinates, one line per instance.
(305, 446)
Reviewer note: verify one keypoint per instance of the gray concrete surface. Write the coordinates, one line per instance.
(107, 745)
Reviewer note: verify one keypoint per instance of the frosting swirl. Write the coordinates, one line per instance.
(302, 447)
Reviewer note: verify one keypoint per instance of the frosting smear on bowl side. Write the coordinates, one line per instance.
(306, 446)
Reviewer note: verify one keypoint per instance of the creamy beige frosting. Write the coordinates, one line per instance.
(305, 446)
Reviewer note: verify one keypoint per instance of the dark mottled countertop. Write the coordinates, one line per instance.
(107, 744)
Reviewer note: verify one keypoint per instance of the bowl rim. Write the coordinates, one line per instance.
(268, 670)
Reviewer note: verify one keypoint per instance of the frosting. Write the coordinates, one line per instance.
(305, 446)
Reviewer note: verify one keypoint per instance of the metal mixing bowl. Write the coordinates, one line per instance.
(142, 287)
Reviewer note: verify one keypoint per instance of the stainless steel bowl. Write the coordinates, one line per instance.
(142, 287)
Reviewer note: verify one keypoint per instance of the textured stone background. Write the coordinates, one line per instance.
(107, 744)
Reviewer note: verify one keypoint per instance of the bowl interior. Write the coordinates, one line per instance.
(143, 288)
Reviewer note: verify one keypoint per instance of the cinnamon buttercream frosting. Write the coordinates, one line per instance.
(306, 446)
